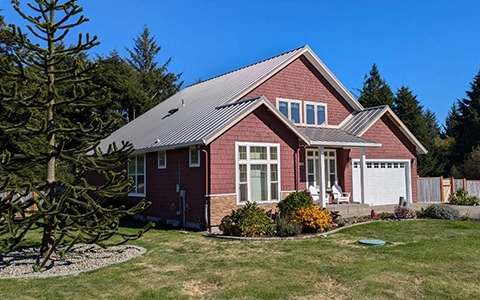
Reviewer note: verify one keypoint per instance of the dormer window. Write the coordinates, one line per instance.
(315, 113)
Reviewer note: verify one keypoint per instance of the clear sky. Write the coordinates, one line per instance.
(433, 47)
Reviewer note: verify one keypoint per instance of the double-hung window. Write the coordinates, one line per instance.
(315, 113)
(258, 172)
(292, 109)
(136, 171)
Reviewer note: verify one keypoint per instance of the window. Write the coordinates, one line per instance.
(290, 109)
(313, 173)
(315, 113)
(162, 159)
(258, 172)
(194, 159)
(136, 171)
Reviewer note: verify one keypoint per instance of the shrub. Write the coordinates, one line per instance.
(287, 228)
(313, 219)
(441, 211)
(293, 202)
(461, 197)
(250, 220)
(420, 213)
(384, 215)
(404, 212)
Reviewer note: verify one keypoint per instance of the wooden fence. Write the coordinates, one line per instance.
(438, 189)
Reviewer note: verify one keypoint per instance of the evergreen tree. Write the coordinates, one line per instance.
(71, 208)
(409, 110)
(375, 91)
(123, 83)
(451, 121)
(467, 127)
(157, 82)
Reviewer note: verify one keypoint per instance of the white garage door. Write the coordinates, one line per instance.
(385, 181)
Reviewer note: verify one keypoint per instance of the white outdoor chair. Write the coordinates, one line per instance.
(316, 197)
(339, 196)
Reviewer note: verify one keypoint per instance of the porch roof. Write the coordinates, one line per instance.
(334, 137)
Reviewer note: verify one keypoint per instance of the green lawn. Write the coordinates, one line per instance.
(422, 259)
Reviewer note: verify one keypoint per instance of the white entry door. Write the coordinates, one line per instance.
(385, 181)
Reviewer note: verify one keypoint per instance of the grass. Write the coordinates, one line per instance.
(423, 259)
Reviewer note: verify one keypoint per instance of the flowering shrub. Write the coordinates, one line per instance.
(313, 219)
(294, 201)
(404, 212)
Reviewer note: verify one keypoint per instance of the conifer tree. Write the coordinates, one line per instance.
(375, 91)
(156, 81)
(467, 126)
(59, 82)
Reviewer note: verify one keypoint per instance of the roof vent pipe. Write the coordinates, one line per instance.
(183, 102)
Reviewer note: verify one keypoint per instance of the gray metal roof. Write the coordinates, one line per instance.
(334, 137)
(198, 114)
(362, 120)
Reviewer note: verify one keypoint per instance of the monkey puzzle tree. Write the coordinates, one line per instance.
(71, 209)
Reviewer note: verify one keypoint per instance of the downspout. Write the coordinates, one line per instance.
(207, 189)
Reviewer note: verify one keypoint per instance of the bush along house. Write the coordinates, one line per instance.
(260, 132)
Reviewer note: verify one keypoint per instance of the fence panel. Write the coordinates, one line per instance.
(458, 184)
(429, 189)
(473, 187)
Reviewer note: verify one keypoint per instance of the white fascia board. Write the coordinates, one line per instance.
(345, 145)
(169, 147)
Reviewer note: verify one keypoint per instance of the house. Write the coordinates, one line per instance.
(261, 132)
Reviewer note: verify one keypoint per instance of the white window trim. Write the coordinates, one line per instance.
(164, 166)
(133, 194)
(289, 101)
(305, 103)
(249, 162)
(193, 165)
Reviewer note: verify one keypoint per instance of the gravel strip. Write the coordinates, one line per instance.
(81, 258)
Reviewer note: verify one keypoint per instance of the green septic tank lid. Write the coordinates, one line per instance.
(372, 242)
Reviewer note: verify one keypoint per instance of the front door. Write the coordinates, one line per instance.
(313, 167)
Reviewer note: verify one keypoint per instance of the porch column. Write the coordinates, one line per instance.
(408, 181)
(362, 174)
(321, 169)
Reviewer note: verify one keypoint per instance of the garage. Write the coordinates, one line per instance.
(385, 181)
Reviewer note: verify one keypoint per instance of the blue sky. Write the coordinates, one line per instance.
(430, 46)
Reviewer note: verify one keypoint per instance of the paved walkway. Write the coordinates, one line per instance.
(355, 209)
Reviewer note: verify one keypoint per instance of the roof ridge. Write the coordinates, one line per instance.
(247, 66)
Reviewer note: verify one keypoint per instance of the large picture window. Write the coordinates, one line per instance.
(136, 171)
(258, 172)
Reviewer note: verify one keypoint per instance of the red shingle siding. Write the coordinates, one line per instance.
(161, 186)
(394, 146)
(260, 126)
(301, 81)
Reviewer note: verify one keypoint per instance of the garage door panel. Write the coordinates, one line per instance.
(385, 182)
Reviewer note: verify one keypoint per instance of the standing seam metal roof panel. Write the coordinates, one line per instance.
(197, 116)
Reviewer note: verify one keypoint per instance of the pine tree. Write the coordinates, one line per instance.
(157, 82)
(375, 91)
(58, 82)
(467, 127)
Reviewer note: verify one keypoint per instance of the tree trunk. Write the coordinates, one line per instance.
(48, 239)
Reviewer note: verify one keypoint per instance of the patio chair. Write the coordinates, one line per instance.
(340, 196)
(316, 196)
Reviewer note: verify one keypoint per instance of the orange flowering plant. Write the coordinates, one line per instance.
(314, 219)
